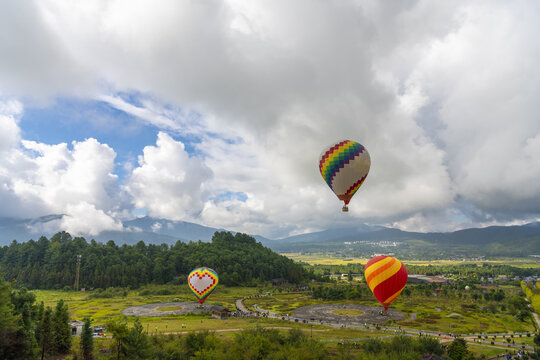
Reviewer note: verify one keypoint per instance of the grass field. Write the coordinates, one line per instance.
(432, 313)
(443, 314)
(82, 305)
(324, 259)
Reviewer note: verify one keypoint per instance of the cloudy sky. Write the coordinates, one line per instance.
(215, 112)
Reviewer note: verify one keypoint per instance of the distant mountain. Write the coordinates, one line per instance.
(361, 241)
(26, 229)
(147, 229)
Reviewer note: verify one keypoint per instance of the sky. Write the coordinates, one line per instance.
(215, 112)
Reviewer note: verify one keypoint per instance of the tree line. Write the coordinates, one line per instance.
(51, 263)
(29, 330)
(263, 343)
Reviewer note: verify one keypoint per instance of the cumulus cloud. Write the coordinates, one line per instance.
(168, 182)
(38, 179)
(84, 219)
(60, 176)
(10, 134)
(443, 95)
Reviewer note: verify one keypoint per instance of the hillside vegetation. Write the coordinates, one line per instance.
(46, 264)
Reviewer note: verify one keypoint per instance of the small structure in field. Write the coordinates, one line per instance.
(76, 327)
(219, 312)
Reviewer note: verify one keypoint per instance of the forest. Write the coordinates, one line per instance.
(51, 263)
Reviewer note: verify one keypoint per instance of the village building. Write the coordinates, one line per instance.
(418, 279)
(76, 327)
(219, 312)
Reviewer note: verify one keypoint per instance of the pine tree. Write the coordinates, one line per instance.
(39, 321)
(28, 328)
(119, 331)
(61, 328)
(11, 336)
(7, 319)
(46, 333)
(138, 345)
(87, 341)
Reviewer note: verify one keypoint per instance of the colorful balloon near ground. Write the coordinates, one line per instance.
(386, 277)
(202, 281)
(344, 166)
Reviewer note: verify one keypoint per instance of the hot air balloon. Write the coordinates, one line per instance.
(344, 166)
(386, 277)
(202, 281)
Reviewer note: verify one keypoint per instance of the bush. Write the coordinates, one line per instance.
(108, 293)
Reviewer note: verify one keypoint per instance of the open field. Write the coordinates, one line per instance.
(422, 313)
(430, 313)
(324, 259)
(422, 310)
(82, 304)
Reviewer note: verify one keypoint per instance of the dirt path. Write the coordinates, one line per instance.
(537, 319)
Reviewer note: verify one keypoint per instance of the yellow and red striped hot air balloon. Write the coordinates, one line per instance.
(386, 277)
(344, 166)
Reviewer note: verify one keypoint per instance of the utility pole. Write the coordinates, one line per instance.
(77, 272)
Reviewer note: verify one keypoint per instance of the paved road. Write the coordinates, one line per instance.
(240, 306)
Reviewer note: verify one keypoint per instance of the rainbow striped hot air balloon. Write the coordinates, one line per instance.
(202, 281)
(386, 277)
(344, 166)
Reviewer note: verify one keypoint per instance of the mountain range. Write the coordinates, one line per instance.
(357, 240)
(148, 229)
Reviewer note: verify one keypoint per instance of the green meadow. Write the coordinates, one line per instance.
(435, 313)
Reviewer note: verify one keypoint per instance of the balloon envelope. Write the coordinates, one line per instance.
(202, 281)
(344, 166)
(386, 277)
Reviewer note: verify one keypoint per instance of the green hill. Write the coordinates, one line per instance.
(238, 259)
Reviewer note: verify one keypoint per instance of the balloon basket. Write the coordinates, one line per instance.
(345, 208)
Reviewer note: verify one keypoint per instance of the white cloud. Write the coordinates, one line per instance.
(483, 78)
(9, 136)
(84, 219)
(38, 179)
(443, 95)
(60, 176)
(168, 182)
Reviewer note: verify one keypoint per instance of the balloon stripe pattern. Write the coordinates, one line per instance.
(337, 157)
(356, 186)
(344, 166)
(202, 281)
(386, 277)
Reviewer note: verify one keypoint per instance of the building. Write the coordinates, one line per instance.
(418, 279)
(76, 327)
(219, 312)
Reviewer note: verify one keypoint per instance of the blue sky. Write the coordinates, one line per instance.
(76, 120)
(226, 131)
